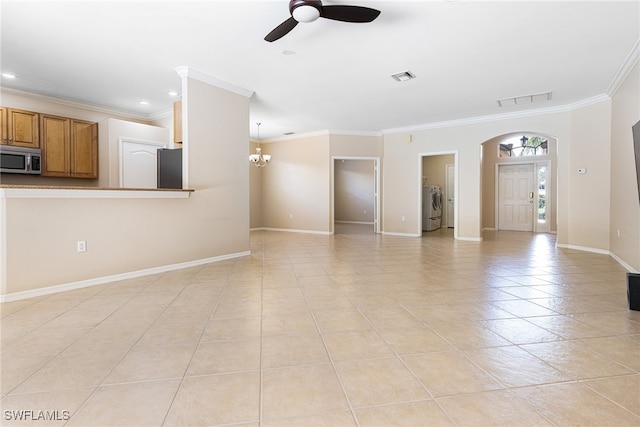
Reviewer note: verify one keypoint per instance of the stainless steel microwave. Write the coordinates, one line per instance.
(20, 160)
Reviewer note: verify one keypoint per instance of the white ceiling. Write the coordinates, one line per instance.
(466, 55)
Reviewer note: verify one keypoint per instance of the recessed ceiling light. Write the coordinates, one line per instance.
(143, 102)
(8, 75)
(403, 77)
(172, 93)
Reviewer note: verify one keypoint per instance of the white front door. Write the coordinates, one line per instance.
(451, 194)
(516, 197)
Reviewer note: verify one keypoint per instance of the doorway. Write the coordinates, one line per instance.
(515, 197)
(523, 197)
(529, 165)
(450, 194)
(438, 173)
(355, 184)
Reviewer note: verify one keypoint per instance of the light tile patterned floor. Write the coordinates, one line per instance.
(354, 329)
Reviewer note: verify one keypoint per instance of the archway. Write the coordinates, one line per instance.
(519, 177)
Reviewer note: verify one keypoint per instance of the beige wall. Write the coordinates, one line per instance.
(583, 141)
(122, 235)
(588, 198)
(356, 145)
(127, 235)
(402, 178)
(402, 161)
(216, 140)
(295, 185)
(255, 185)
(625, 207)
(354, 190)
(489, 161)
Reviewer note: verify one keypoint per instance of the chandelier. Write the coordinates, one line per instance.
(258, 159)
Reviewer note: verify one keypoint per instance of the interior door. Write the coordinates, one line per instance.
(376, 197)
(516, 197)
(451, 194)
(139, 162)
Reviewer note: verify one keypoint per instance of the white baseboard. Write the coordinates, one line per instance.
(469, 239)
(583, 248)
(354, 222)
(602, 252)
(15, 296)
(389, 233)
(293, 230)
(624, 264)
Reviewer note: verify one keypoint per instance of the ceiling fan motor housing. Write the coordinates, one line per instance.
(305, 10)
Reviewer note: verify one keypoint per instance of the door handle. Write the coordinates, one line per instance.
(531, 195)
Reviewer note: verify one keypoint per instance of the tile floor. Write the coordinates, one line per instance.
(354, 329)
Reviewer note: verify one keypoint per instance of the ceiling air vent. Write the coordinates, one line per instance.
(526, 99)
(403, 77)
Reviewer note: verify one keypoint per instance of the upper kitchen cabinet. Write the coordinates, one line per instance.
(177, 122)
(20, 128)
(69, 147)
(84, 149)
(56, 137)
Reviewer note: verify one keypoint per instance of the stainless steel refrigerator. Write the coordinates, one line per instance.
(170, 168)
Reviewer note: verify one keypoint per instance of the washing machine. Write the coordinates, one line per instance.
(431, 207)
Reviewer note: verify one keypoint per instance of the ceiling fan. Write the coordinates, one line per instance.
(310, 10)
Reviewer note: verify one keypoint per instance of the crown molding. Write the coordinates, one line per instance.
(498, 117)
(624, 71)
(190, 72)
(354, 132)
(297, 136)
(161, 115)
(79, 104)
(325, 132)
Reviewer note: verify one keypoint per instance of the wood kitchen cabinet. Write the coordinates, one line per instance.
(20, 128)
(84, 149)
(177, 122)
(69, 147)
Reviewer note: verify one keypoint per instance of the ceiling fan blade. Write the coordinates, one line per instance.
(281, 30)
(349, 13)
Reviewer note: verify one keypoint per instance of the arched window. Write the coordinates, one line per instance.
(532, 145)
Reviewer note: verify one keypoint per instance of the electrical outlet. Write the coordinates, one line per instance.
(82, 245)
(404, 218)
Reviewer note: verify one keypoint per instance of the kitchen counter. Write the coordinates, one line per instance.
(52, 191)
